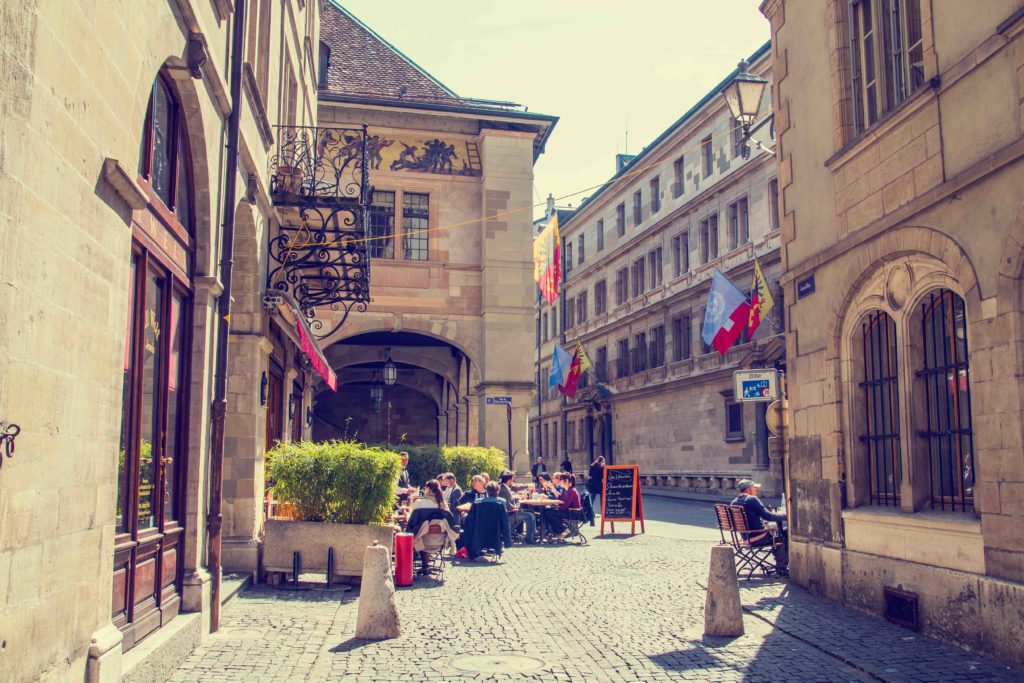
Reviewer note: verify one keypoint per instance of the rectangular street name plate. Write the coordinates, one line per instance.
(805, 286)
(755, 385)
(499, 400)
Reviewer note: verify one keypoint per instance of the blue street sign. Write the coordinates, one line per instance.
(756, 388)
(499, 400)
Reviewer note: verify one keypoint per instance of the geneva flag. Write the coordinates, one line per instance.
(727, 314)
(761, 300)
(547, 260)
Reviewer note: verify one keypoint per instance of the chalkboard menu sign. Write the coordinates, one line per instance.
(621, 500)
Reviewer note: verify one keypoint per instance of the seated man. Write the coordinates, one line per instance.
(757, 514)
(486, 526)
(452, 492)
(474, 494)
(516, 516)
(570, 498)
(404, 487)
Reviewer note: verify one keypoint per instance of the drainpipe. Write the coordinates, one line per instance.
(220, 376)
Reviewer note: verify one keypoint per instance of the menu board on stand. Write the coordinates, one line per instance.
(620, 498)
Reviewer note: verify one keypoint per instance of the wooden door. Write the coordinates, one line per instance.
(297, 415)
(275, 391)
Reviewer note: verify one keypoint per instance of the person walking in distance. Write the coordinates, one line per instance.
(538, 469)
(595, 483)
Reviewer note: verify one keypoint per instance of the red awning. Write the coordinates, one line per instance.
(312, 351)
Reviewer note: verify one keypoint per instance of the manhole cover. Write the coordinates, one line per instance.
(497, 663)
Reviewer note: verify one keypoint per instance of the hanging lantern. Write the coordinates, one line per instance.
(390, 369)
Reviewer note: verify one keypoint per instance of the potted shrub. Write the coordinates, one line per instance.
(341, 493)
(289, 178)
(465, 461)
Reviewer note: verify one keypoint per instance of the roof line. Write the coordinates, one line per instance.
(756, 55)
(455, 106)
(348, 13)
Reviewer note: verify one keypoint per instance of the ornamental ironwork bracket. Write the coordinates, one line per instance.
(8, 433)
(319, 180)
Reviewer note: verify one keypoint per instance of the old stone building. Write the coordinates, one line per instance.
(900, 165)
(450, 252)
(638, 258)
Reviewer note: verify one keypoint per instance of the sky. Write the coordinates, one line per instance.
(604, 68)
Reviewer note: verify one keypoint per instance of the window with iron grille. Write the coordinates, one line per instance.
(600, 297)
(680, 254)
(887, 51)
(622, 361)
(600, 235)
(739, 232)
(678, 171)
(773, 204)
(707, 156)
(881, 428)
(657, 351)
(944, 372)
(709, 238)
(580, 250)
(640, 352)
(581, 307)
(620, 219)
(655, 194)
(638, 208)
(415, 219)
(601, 364)
(621, 286)
(639, 279)
(654, 267)
(681, 338)
(381, 224)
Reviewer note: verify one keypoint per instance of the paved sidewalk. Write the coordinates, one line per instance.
(619, 609)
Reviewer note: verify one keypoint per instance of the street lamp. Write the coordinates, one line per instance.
(743, 94)
(293, 403)
(390, 369)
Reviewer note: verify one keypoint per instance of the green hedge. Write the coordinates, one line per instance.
(426, 462)
(334, 481)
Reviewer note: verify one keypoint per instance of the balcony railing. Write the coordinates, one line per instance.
(320, 166)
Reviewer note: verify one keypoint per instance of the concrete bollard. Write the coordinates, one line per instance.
(378, 615)
(723, 615)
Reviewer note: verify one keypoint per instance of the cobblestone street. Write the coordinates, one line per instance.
(618, 609)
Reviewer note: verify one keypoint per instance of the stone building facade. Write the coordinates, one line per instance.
(450, 253)
(638, 260)
(900, 166)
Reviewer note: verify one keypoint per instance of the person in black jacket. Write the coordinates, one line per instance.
(566, 465)
(486, 526)
(538, 469)
(595, 483)
(757, 514)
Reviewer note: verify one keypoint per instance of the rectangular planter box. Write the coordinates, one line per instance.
(312, 539)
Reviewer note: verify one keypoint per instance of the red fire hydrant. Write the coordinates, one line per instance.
(403, 559)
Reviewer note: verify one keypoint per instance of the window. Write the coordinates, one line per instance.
(733, 419)
(555, 446)
(325, 64)
(737, 139)
(620, 219)
(638, 277)
(705, 348)
(773, 204)
(415, 219)
(640, 352)
(622, 361)
(678, 171)
(568, 257)
(600, 235)
(709, 238)
(546, 442)
(655, 194)
(381, 224)
(580, 250)
(554, 321)
(621, 286)
(887, 56)
(164, 157)
(657, 352)
(570, 313)
(601, 364)
(739, 231)
(638, 208)
(536, 321)
(258, 48)
(681, 338)
(581, 307)
(600, 297)
(880, 427)
(943, 370)
(544, 325)
(680, 254)
(707, 157)
(655, 267)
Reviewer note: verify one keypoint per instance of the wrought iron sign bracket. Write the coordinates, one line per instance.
(8, 433)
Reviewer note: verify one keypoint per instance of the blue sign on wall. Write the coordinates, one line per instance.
(499, 400)
(756, 388)
(805, 286)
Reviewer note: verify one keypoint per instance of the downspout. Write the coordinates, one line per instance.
(220, 376)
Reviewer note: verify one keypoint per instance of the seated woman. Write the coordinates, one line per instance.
(431, 506)
(570, 498)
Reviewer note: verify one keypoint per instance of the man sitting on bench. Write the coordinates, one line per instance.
(757, 514)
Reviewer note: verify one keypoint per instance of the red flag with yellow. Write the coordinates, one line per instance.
(760, 299)
(547, 260)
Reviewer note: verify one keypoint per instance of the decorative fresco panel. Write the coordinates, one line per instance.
(424, 155)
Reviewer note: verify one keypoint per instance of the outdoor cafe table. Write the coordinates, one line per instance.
(538, 508)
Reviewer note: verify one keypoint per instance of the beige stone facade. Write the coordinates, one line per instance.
(901, 242)
(639, 256)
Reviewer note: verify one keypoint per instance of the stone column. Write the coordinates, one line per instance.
(472, 420)
(507, 280)
(244, 445)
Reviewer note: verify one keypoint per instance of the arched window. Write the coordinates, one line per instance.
(943, 369)
(325, 64)
(163, 158)
(880, 423)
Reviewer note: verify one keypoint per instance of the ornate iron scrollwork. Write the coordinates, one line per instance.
(8, 433)
(322, 260)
